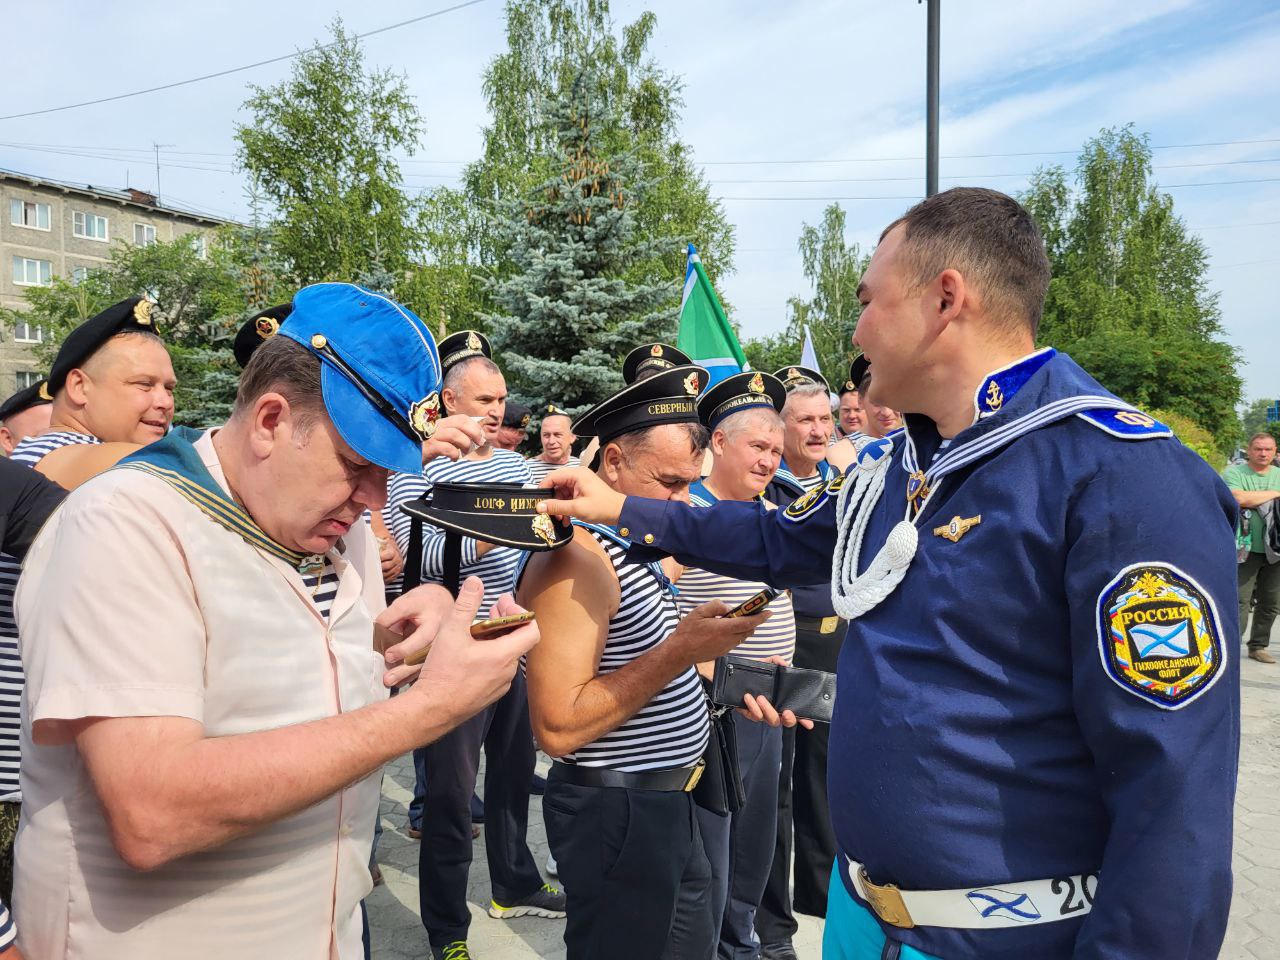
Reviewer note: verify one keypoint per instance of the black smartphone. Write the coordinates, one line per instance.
(753, 605)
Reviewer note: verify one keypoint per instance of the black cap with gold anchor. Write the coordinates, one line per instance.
(796, 376)
(24, 399)
(500, 513)
(650, 358)
(257, 330)
(742, 391)
(857, 370)
(463, 345)
(131, 315)
(516, 416)
(668, 396)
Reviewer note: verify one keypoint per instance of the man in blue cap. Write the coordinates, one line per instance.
(1035, 739)
(207, 712)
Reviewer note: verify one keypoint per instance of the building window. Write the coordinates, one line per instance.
(89, 225)
(201, 243)
(24, 332)
(26, 213)
(143, 234)
(32, 273)
(79, 274)
(27, 378)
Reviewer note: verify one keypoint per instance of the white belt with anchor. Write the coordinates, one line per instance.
(981, 908)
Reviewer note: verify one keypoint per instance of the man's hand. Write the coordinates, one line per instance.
(389, 555)
(705, 633)
(761, 710)
(463, 675)
(454, 438)
(415, 617)
(581, 494)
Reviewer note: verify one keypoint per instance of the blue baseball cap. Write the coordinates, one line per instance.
(380, 372)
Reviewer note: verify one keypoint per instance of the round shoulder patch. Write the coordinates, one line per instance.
(1159, 635)
(801, 507)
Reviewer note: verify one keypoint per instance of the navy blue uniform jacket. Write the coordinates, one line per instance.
(984, 729)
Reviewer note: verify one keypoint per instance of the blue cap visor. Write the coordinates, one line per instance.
(365, 430)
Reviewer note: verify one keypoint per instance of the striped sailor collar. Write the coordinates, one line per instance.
(786, 476)
(699, 491)
(1046, 387)
(178, 462)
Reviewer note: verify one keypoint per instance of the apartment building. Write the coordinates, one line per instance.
(49, 228)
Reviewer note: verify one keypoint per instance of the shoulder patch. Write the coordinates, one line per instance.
(1159, 635)
(1126, 424)
(802, 507)
(835, 483)
(871, 451)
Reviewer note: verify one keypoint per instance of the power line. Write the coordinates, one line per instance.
(250, 66)
(1162, 186)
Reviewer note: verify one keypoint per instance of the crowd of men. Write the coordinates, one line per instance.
(220, 636)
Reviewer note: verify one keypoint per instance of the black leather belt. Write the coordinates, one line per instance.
(676, 779)
(821, 624)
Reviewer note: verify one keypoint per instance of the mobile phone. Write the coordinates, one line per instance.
(481, 630)
(753, 605)
(484, 629)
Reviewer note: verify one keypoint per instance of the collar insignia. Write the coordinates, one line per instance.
(756, 384)
(994, 398)
(957, 528)
(424, 414)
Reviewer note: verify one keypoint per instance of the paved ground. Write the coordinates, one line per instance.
(1253, 932)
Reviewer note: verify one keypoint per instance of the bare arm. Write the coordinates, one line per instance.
(574, 593)
(72, 465)
(1254, 498)
(169, 791)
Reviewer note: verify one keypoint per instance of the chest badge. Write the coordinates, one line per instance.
(917, 491)
(957, 528)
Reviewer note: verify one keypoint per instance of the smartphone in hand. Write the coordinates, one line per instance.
(753, 605)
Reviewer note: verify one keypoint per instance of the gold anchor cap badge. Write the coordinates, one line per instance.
(957, 528)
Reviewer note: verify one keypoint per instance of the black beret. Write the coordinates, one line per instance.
(85, 340)
(516, 416)
(665, 397)
(258, 329)
(650, 358)
(793, 377)
(463, 345)
(25, 399)
(742, 391)
(857, 369)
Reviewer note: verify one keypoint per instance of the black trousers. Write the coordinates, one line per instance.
(634, 870)
(740, 845)
(804, 817)
(444, 856)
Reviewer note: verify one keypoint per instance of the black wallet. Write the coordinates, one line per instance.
(810, 694)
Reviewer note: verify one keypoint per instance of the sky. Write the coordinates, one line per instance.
(787, 106)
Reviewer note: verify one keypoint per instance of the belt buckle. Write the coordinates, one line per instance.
(829, 625)
(886, 901)
(694, 776)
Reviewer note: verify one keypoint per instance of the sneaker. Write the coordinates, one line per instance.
(547, 901)
(778, 951)
(1261, 656)
(457, 950)
(553, 868)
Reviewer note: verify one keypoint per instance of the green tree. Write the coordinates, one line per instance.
(570, 309)
(444, 286)
(322, 147)
(550, 45)
(1129, 298)
(772, 352)
(198, 306)
(835, 269)
(1194, 436)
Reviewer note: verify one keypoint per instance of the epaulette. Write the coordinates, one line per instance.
(870, 450)
(1126, 424)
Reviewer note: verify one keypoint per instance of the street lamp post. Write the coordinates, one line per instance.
(931, 97)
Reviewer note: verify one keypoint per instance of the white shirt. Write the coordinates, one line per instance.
(133, 603)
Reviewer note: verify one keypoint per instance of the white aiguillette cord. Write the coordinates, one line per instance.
(854, 595)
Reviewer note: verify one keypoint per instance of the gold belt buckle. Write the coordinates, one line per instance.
(829, 625)
(694, 776)
(886, 901)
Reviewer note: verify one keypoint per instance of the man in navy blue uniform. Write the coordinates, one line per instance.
(1036, 733)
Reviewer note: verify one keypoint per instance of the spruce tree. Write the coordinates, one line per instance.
(566, 314)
